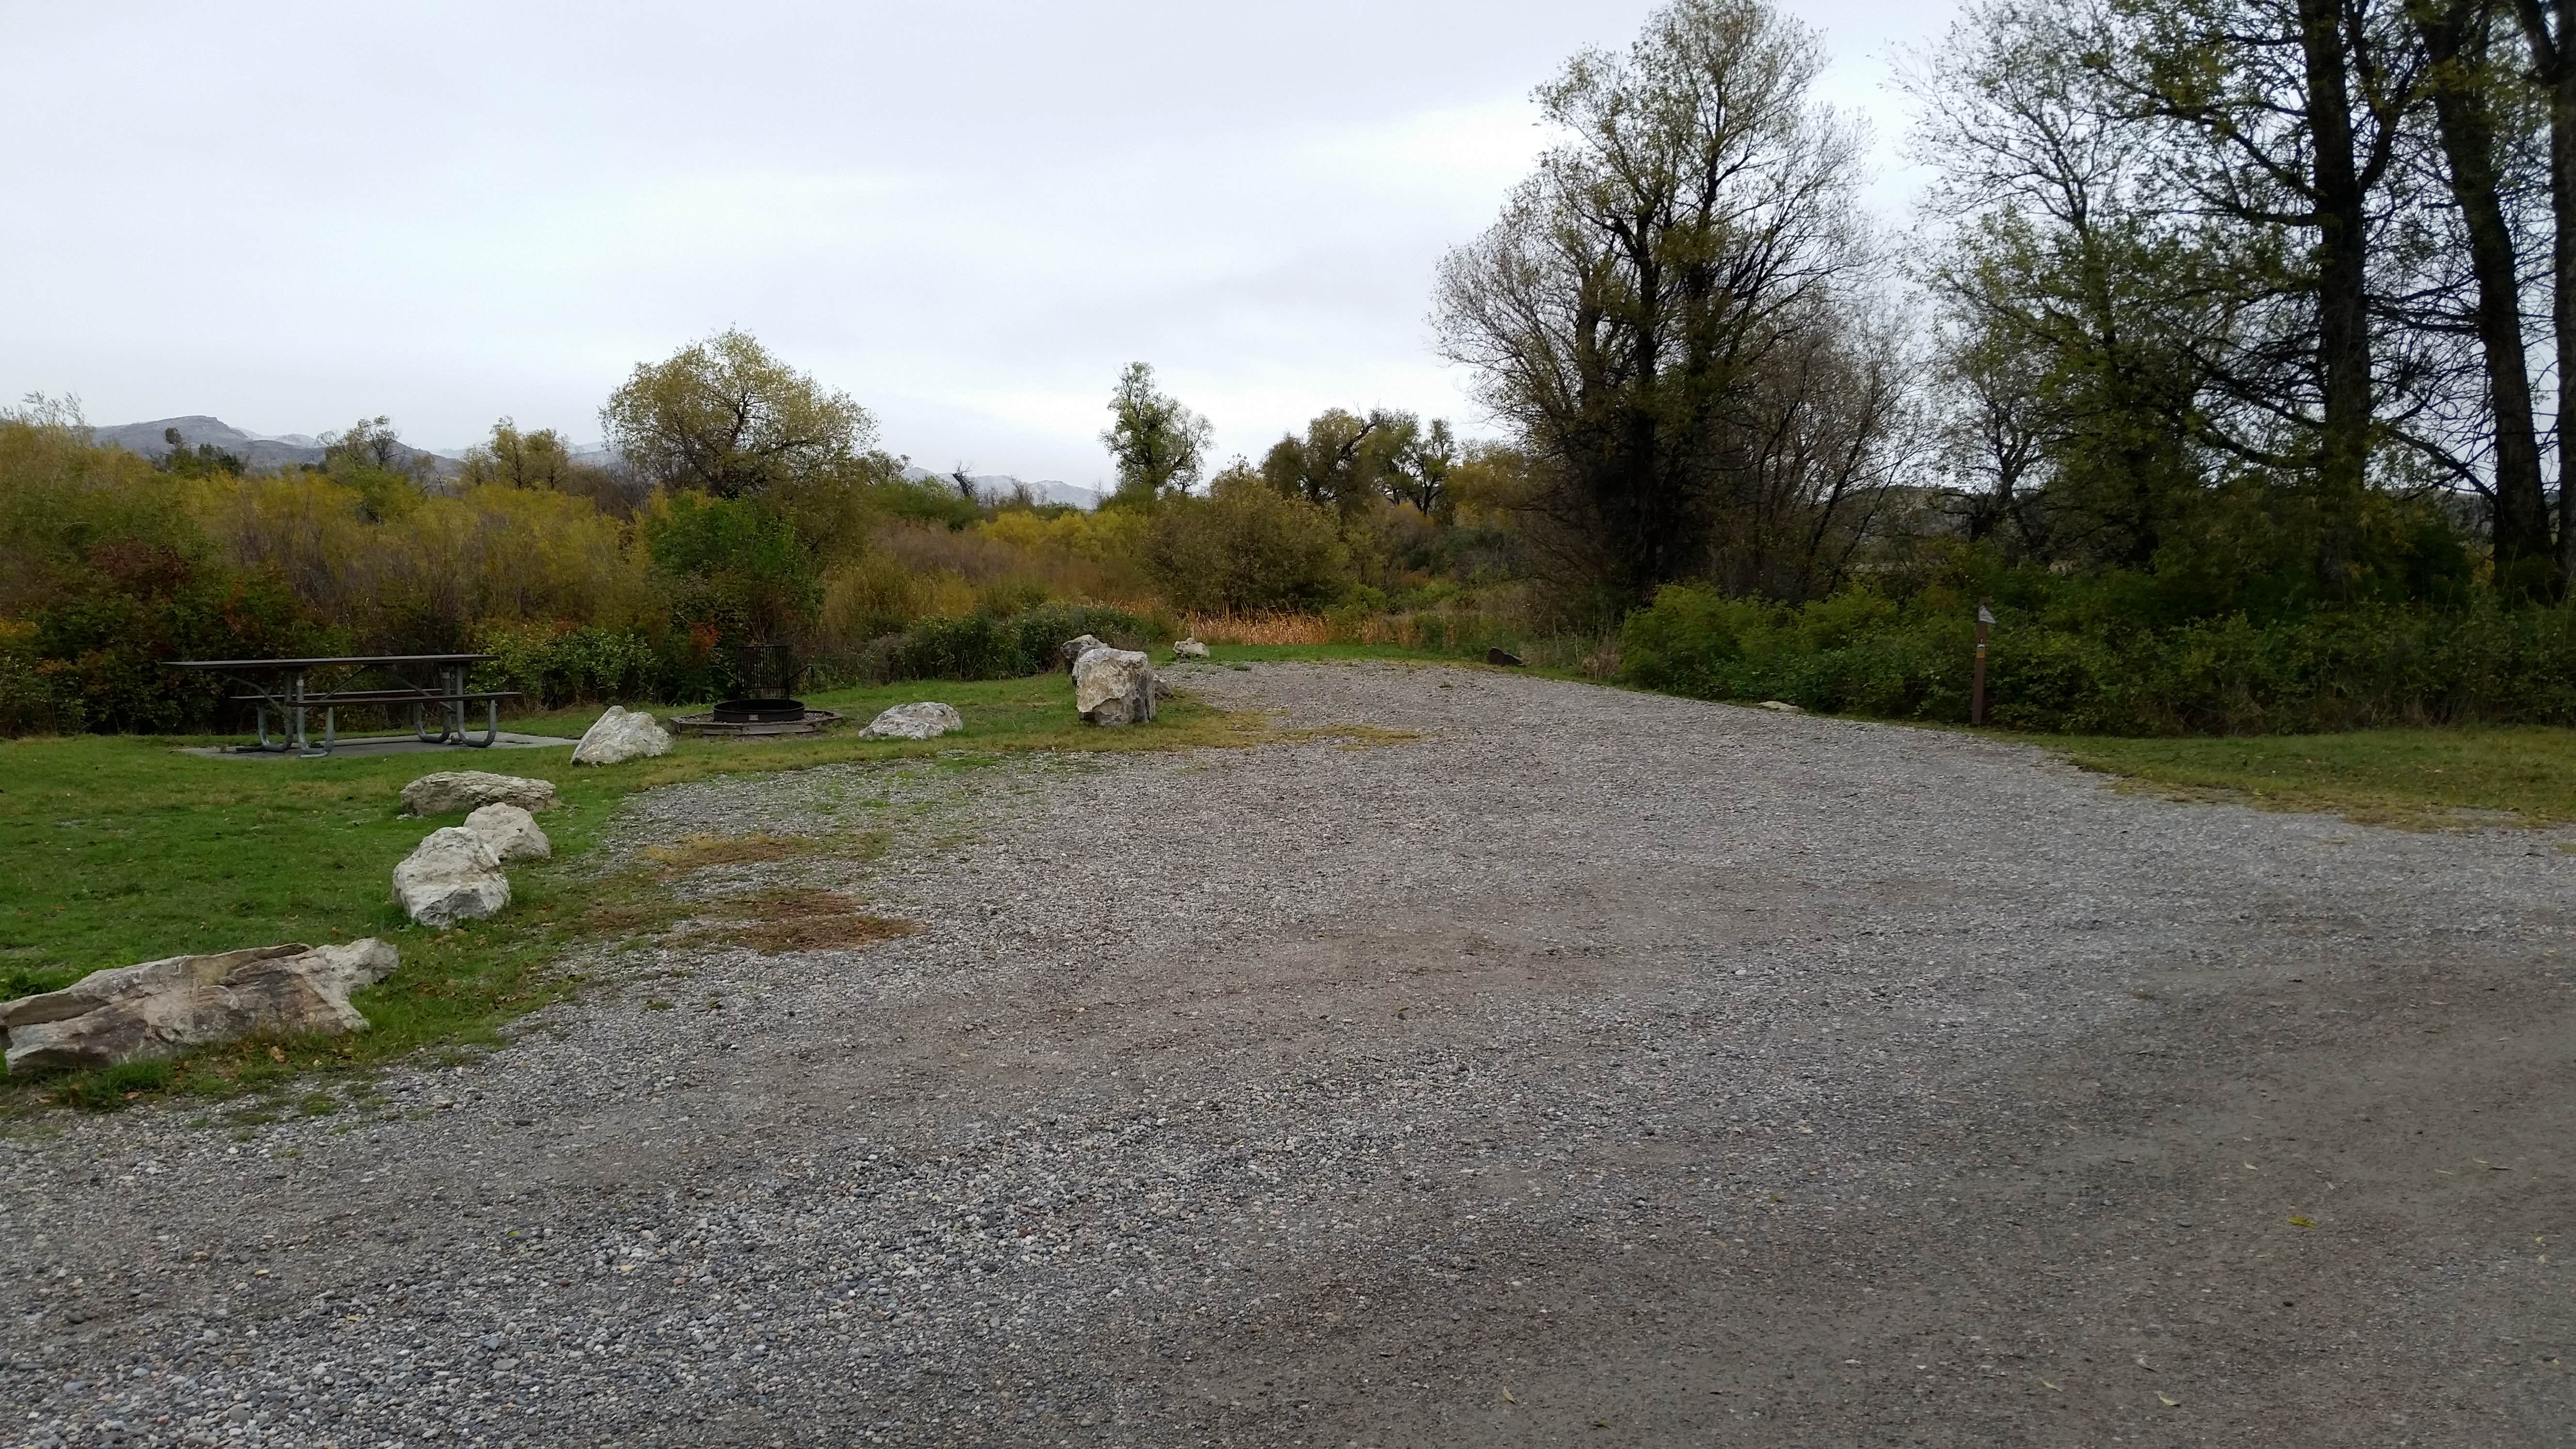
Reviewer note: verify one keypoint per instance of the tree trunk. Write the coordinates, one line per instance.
(2343, 319)
(2556, 71)
(2454, 33)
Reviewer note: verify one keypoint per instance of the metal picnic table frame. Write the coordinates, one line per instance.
(284, 685)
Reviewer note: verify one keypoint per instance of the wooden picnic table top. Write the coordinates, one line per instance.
(239, 665)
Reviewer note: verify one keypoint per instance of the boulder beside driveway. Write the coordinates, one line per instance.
(452, 877)
(925, 720)
(1114, 687)
(449, 791)
(511, 833)
(621, 735)
(161, 1008)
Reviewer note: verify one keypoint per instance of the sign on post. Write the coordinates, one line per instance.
(1977, 691)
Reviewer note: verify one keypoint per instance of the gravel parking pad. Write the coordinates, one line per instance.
(1589, 1067)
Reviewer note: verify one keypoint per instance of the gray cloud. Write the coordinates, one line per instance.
(968, 216)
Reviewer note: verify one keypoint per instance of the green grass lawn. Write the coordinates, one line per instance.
(2409, 778)
(123, 849)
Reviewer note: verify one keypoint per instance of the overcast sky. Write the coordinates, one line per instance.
(968, 216)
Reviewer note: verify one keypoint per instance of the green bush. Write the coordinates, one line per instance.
(981, 646)
(29, 702)
(104, 638)
(1246, 548)
(553, 666)
(2072, 669)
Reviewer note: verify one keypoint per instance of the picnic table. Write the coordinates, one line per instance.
(423, 681)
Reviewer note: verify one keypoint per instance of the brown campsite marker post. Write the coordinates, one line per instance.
(1977, 692)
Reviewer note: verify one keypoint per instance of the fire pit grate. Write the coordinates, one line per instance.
(746, 719)
(759, 711)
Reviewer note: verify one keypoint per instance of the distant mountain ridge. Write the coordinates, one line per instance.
(260, 452)
(1000, 487)
(267, 452)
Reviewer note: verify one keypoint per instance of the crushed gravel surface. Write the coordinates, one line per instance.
(1594, 1067)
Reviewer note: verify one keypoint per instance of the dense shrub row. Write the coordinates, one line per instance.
(2320, 669)
(566, 666)
(110, 566)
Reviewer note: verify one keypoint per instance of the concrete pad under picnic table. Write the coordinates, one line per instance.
(369, 746)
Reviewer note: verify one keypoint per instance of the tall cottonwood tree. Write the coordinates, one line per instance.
(724, 416)
(1658, 303)
(2076, 310)
(2473, 113)
(2551, 43)
(2281, 120)
(1159, 445)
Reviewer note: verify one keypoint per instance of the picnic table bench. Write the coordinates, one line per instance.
(287, 687)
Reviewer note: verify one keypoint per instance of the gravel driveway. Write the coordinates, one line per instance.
(1594, 1068)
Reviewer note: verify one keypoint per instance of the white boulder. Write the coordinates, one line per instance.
(160, 1008)
(511, 833)
(453, 876)
(1114, 687)
(621, 735)
(1189, 649)
(449, 791)
(927, 719)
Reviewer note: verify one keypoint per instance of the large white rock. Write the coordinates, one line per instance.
(1189, 649)
(621, 735)
(163, 1007)
(511, 833)
(925, 720)
(1114, 687)
(451, 877)
(452, 790)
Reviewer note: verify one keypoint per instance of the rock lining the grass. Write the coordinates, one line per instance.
(452, 877)
(511, 832)
(449, 791)
(1189, 649)
(621, 735)
(160, 1008)
(1114, 687)
(927, 719)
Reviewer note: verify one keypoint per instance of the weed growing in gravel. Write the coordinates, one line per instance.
(803, 921)
(697, 852)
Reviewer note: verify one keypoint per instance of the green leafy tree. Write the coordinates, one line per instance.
(513, 458)
(1159, 446)
(724, 417)
(1337, 464)
(2282, 123)
(1420, 465)
(203, 461)
(372, 458)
